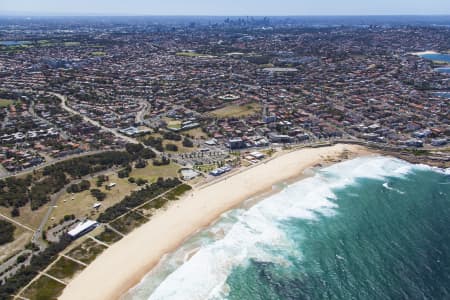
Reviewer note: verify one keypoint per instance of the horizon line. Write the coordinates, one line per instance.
(48, 14)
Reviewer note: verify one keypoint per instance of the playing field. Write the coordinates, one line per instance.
(237, 111)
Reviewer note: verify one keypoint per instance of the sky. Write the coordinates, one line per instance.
(225, 7)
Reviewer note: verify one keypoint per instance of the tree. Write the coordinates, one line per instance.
(15, 212)
(6, 232)
(147, 154)
(140, 164)
(125, 172)
(97, 194)
(101, 179)
(169, 135)
(84, 185)
(162, 162)
(172, 147)
(141, 181)
(134, 149)
(188, 143)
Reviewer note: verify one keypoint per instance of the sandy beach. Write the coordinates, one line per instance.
(125, 263)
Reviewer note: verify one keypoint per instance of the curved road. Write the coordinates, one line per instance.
(93, 122)
(54, 161)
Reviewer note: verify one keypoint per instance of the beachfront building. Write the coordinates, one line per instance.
(236, 143)
(82, 228)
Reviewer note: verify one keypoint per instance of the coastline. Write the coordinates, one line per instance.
(424, 52)
(125, 263)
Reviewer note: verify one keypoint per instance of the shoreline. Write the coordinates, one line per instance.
(123, 265)
(428, 52)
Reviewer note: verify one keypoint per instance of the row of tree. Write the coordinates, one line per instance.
(137, 198)
(6, 232)
(38, 263)
(17, 192)
(84, 185)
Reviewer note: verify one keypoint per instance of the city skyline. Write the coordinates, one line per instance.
(224, 8)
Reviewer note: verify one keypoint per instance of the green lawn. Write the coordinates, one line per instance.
(128, 222)
(87, 251)
(237, 111)
(71, 44)
(6, 102)
(65, 268)
(176, 193)
(189, 54)
(108, 236)
(151, 172)
(44, 288)
(98, 53)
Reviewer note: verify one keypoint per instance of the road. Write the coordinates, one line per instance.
(10, 267)
(128, 139)
(54, 161)
(93, 122)
(63, 134)
(143, 112)
(37, 237)
(15, 222)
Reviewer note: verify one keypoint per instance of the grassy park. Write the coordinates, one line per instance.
(236, 111)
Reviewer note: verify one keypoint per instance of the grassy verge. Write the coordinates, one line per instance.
(176, 193)
(151, 172)
(128, 222)
(237, 110)
(65, 269)
(108, 236)
(189, 54)
(6, 102)
(44, 288)
(155, 204)
(87, 251)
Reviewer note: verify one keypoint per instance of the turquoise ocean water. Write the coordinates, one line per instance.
(439, 57)
(369, 228)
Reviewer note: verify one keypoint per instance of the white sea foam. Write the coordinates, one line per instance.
(258, 234)
(386, 186)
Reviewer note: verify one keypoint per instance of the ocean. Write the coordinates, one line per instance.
(442, 70)
(369, 228)
(437, 57)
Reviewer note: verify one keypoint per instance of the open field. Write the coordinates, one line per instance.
(171, 123)
(181, 148)
(236, 110)
(108, 236)
(98, 53)
(21, 238)
(196, 133)
(28, 217)
(44, 288)
(205, 168)
(150, 208)
(65, 269)
(151, 172)
(6, 102)
(71, 44)
(81, 205)
(177, 192)
(128, 222)
(189, 54)
(87, 251)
